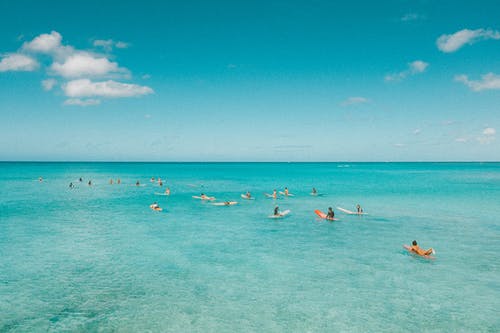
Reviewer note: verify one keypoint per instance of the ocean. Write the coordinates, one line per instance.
(97, 258)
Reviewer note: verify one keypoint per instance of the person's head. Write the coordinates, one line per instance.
(329, 208)
(414, 242)
(358, 205)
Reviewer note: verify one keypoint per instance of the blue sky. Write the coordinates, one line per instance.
(250, 80)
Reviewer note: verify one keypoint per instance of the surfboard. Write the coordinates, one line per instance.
(158, 209)
(350, 212)
(408, 248)
(271, 196)
(281, 214)
(247, 198)
(230, 203)
(287, 195)
(165, 194)
(207, 198)
(324, 216)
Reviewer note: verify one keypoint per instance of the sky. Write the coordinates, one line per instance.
(254, 80)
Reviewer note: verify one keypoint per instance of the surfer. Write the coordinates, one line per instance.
(90, 183)
(277, 211)
(359, 209)
(80, 180)
(167, 191)
(118, 181)
(137, 183)
(71, 185)
(248, 195)
(286, 191)
(331, 214)
(204, 196)
(418, 250)
(111, 182)
(274, 193)
(314, 192)
(152, 179)
(40, 179)
(155, 206)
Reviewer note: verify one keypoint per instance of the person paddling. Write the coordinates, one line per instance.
(418, 250)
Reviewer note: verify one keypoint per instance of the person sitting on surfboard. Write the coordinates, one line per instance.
(137, 183)
(277, 211)
(286, 191)
(331, 214)
(167, 191)
(248, 195)
(314, 191)
(274, 193)
(418, 250)
(359, 209)
(203, 196)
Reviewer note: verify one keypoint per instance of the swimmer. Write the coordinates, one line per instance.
(418, 250)
(331, 214)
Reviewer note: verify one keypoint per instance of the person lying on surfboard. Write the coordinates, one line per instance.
(418, 250)
(331, 214)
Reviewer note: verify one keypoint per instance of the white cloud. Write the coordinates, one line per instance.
(81, 102)
(418, 66)
(453, 42)
(49, 84)
(354, 101)
(45, 43)
(488, 81)
(18, 62)
(412, 17)
(108, 44)
(86, 64)
(122, 45)
(112, 89)
(487, 136)
(414, 67)
(489, 131)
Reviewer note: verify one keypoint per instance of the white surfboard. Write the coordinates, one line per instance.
(203, 198)
(287, 195)
(230, 203)
(244, 196)
(350, 212)
(281, 214)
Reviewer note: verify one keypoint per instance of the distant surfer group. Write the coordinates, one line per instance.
(277, 213)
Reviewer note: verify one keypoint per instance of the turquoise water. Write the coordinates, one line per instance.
(98, 259)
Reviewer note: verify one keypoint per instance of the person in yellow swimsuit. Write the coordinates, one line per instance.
(418, 250)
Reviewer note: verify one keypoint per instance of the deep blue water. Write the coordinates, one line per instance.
(96, 258)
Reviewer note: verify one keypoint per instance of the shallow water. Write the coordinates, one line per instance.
(97, 258)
